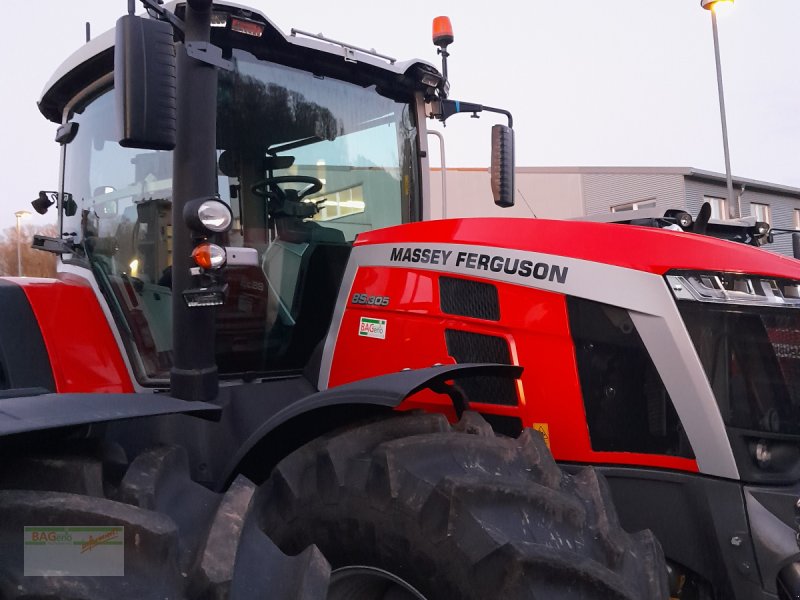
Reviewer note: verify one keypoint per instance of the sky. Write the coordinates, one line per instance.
(589, 82)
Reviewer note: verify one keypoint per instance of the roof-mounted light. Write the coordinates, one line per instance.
(430, 80)
(442, 32)
(716, 5)
(219, 19)
(734, 288)
(247, 27)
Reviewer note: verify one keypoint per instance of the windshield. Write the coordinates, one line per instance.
(751, 356)
(305, 162)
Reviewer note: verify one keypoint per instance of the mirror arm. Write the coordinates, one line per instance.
(163, 13)
(501, 111)
(209, 54)
(444, 109)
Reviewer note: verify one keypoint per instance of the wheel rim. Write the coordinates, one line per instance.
(369, 583)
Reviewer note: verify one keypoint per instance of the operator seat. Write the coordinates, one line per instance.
(304, 267)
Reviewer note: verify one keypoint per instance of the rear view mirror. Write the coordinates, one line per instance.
(502, 169)
(145, 83)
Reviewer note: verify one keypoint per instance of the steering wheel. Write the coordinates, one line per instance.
(269, 186)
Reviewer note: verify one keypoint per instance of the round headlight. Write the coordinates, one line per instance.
(215, 215)
(209, 256)
(208, 215)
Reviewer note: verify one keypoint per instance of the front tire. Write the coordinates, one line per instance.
(410, 507)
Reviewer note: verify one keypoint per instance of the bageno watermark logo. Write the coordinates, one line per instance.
(374, 328)
(74, 551)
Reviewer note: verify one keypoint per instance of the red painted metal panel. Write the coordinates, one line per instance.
(533, 322)
(83, 353)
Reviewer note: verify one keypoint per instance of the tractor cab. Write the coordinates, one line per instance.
(315, 144)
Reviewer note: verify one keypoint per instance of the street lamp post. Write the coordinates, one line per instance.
(20, 214)
(711, 6)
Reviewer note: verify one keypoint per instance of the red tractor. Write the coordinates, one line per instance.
(260, 371)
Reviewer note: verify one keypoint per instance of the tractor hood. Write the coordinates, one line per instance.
(646, 249)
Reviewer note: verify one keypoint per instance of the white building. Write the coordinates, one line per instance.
(568, 192)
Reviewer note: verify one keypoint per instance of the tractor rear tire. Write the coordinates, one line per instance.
(180, 540)
(410, 507)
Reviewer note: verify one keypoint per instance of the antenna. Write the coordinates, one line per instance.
(131, 7)
(530, 208)
(88, 31)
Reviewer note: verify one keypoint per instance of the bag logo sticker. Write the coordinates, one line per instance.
(373, 328)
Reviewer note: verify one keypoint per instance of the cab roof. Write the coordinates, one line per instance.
(96, 58)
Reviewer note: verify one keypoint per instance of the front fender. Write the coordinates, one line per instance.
(386, 391)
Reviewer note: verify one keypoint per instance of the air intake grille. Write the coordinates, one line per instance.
(469, 298)
(468, 347)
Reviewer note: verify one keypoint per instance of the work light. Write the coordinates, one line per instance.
(208, 215)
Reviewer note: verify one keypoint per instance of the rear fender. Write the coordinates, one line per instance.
(29, 410)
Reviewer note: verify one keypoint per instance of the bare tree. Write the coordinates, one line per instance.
(35, 263)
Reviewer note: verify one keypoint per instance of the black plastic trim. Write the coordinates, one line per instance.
(62, 91)
(390, 390)
(701, 522)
